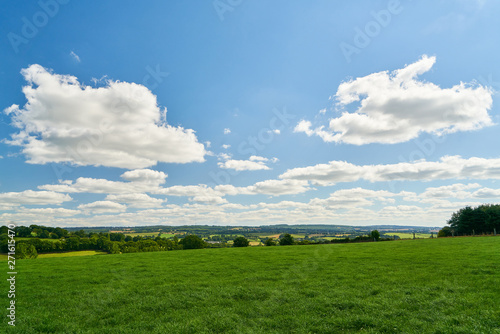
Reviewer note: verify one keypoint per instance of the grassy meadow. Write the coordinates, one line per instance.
(447, 285)
(407, 235)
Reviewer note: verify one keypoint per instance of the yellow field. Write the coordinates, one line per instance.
(67, 254)
(255, 243)
(3, 257)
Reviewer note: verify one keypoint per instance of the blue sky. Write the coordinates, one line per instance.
(247, 112)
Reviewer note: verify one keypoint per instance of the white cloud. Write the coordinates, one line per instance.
(226, 146)
(486, 193)
(145, 176)
(396, 107)
(227, 131)
(214, 200)
(257, 158)
(118, 125)
(140, 180)
(255, 162)
(30, 197)
(267, 187)
(457, 190)
(75, 56)
(241, 165)
(190, 190)
(62, 212)
(136, 200)
(279, 187)
(449, 167)
(102, 207)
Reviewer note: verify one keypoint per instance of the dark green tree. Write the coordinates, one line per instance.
(23, 231)
(270, 242)
(445, 232)
(240, 242)
(482, 219)
(192, 242)
(375, 235)
(286, 240)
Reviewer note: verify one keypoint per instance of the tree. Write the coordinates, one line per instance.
(23, 231)
(117, 237)
(192, 242)
(80, 233)
(73, 243)
(286, 240)
(375, 235)
(241, 242)
(481, 219)
(445, 232)
(114, 248)
(26, 251)
(270, 242)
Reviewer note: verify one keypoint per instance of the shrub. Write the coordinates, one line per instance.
(192, 242)
(26, 251)
(241, 242)
(287, 240)
(270, 242)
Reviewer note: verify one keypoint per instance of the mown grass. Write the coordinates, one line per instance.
(71, 254)
(45, 239)
(417, 286)
(404, 235)
(3, 257)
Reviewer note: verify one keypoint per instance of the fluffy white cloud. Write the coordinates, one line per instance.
(193, 190)
(253, 163)
(140, 181)
(30, 197)
(145, 176)
(241, 165)
(209, 199)
(119, 125)
(135, 200)
(279, 187)
(102, 207)
(267, 187)
(448, 167)
(51, 212)
(487, 193)
(396, 107)
(227, 131)
(457, 190)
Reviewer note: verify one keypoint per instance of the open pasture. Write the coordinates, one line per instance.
(449, 285)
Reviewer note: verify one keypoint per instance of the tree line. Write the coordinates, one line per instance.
(483, 219)
(42, 239)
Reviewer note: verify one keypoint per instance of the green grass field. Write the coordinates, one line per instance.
(47, 239)
(4, 257)
(404, 235)
(447, 285)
